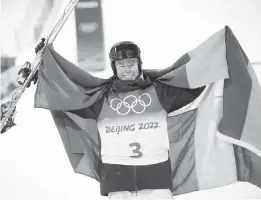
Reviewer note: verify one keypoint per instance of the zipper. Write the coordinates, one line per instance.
(134, 169)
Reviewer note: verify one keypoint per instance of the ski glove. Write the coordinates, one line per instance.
(24, 72)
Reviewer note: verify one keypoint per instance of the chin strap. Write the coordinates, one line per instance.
(140, 76)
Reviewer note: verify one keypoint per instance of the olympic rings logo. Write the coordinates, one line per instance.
(131, 102)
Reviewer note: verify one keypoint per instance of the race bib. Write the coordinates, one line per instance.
(134, 140)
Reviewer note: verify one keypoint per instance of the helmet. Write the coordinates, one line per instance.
(123, 50)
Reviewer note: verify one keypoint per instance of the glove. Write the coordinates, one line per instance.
(40, 45)
(25, 71)
(33, 79)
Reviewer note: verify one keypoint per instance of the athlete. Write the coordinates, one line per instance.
(133, 130)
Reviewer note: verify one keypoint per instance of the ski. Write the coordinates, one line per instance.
(28, 71)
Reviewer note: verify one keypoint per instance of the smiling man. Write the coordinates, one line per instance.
(135, 162)
(131, 120)
(132, 126)
(125, 60)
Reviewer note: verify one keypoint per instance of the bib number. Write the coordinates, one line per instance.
(136, 150)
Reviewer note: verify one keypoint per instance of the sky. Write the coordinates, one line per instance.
(33, 162)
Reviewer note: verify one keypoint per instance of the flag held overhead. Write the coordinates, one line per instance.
(220, 140)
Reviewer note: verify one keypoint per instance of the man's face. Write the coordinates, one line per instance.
(127, 69)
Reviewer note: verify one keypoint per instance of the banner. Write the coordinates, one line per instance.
(90, 40)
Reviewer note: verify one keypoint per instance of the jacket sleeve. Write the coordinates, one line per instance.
(173, 98)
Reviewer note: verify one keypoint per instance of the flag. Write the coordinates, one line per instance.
(214, 141)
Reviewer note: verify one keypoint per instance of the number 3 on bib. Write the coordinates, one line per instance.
(136, 150)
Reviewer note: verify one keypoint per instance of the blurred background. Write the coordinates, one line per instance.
(164, 30)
